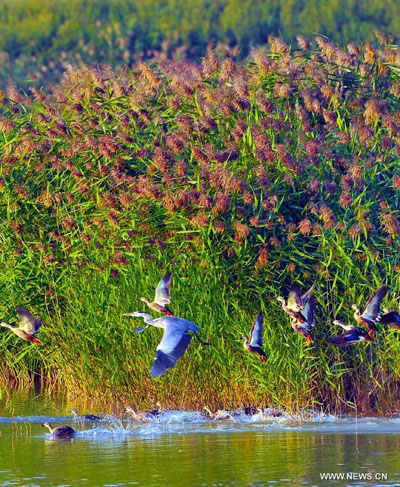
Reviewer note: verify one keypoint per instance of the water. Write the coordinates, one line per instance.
(186, 449)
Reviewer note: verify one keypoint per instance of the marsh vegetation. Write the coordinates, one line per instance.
(239, 178)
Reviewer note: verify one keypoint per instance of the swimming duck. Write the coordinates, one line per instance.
(255, 342)
(304, 328)
(162, 296)
(219, 415)
(141, 416)
(157, 409)
(273, 413)
(261, 415)
(28, 326)
(174, 342)
(391, 318)
(370, 314)
(296, 302)
(353, 334)
(60, 431)
(88, 417)
(249, 410)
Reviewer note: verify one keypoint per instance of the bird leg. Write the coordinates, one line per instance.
(200, 340)
(139, 330)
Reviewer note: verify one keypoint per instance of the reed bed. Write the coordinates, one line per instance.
(41, 40)
(239, 178)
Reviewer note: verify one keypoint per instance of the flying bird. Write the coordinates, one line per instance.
(304, 327)
(296, 302)
(370, 315)
(28, 326)
(254, 344)
(352, 334)
(60, 431)
(174, 342)
(162, 296)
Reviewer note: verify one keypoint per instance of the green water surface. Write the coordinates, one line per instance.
(183, 449)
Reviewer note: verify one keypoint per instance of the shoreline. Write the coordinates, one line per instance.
(115, 403)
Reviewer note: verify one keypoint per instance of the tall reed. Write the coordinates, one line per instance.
(239, 178)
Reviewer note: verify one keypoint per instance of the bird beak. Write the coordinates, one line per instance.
(128, 314)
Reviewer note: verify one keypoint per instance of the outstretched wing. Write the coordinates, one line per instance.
(294, 298)
(346, 338)
(162, 296)
(172, 346)
(27, 322)
(392, 318)
(309, 311)
(373, 305)
(306, 296)
(256, 335)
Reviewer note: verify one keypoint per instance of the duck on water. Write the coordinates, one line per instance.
(84, 417)
(59, 431)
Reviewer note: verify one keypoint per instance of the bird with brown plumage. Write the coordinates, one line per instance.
(254, 343)
(60, 431)
(371, 312)
(296, 302)
(84, 417)
(27, 328)
(162, 296)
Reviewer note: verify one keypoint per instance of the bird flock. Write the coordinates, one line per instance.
(301, 309)
(178, 332)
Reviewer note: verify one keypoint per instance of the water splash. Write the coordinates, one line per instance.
(184, 422)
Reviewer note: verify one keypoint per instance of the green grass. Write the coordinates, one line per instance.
(239, 178)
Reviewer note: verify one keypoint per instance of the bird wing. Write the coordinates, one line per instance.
(63, 430)
(373, 305)
(172, 346)
(306, 296)
(346, 338)
(27, 322)
(294, 298)
(309, 310)
(391, 318)
(256, 335)
(162, 296)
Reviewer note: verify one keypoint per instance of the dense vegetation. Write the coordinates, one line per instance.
(45, 37)
(237, 177)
